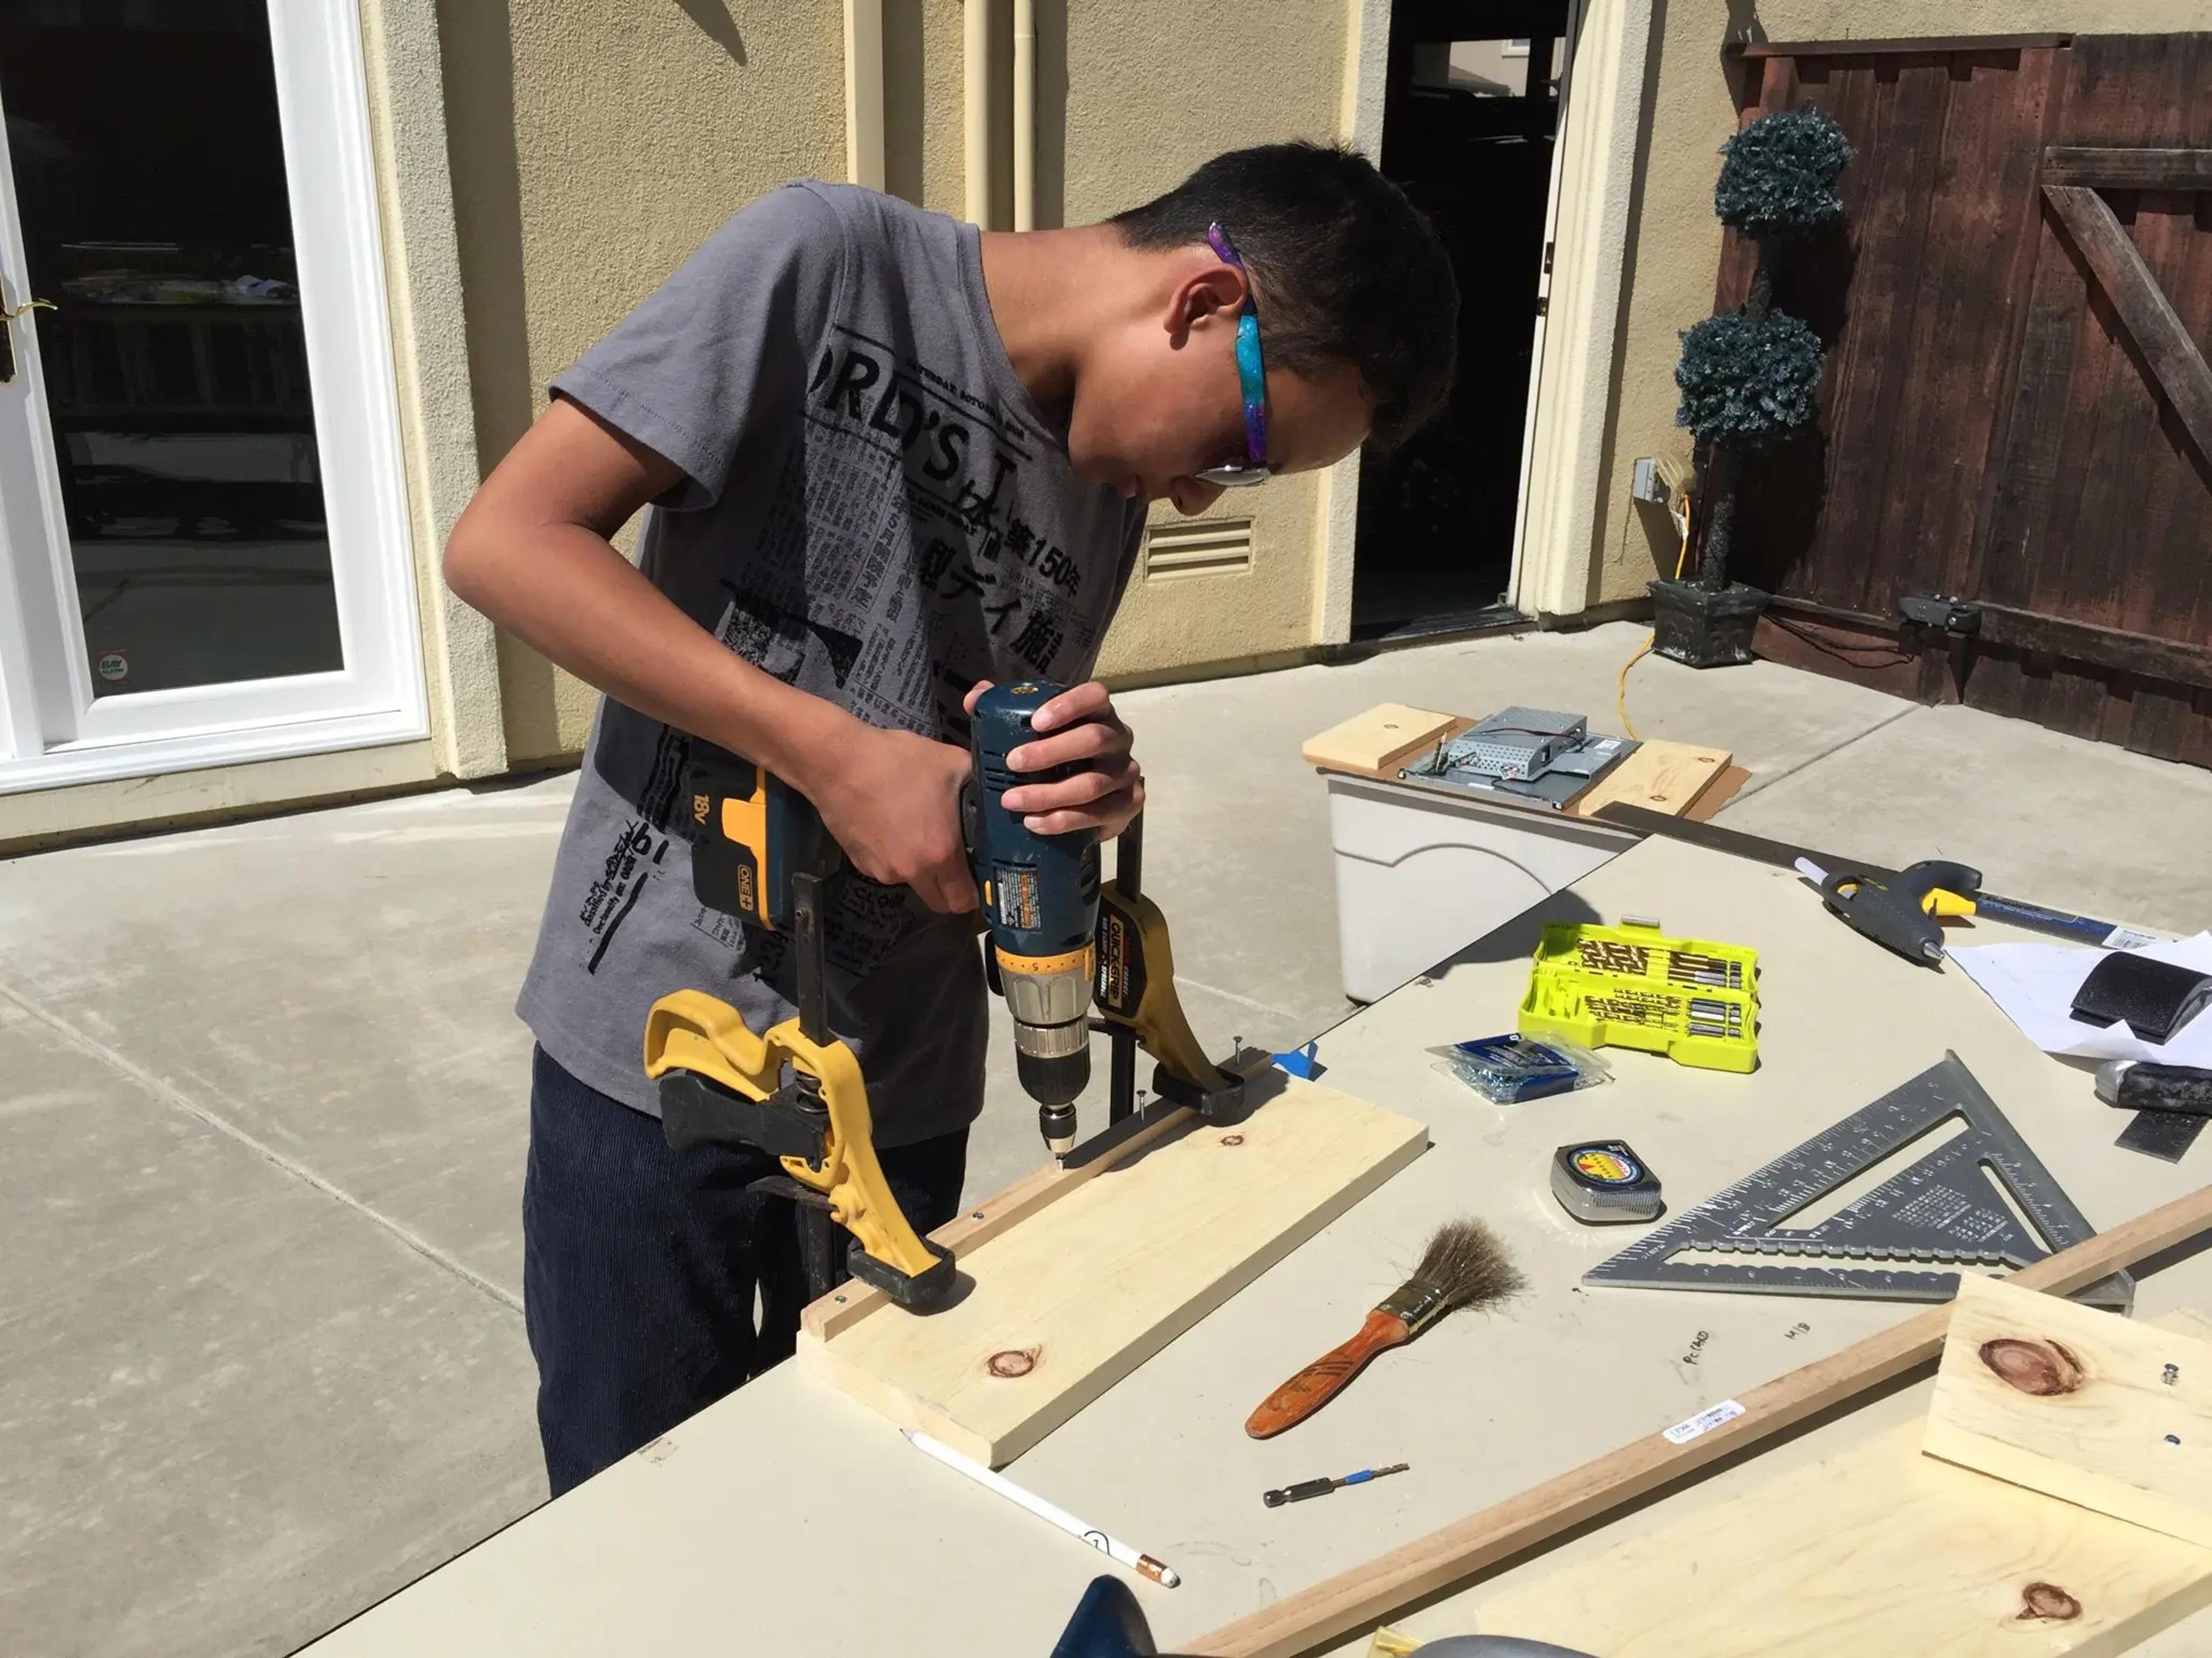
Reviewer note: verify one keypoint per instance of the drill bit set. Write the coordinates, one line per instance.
(1630, 986)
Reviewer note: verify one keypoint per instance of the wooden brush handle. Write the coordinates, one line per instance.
(1321, 1380)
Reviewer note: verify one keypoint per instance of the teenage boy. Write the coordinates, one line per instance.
(891, 459)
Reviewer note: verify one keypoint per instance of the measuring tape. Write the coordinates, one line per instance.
(1603, 1181)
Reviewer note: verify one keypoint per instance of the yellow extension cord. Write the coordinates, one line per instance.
(1620, 685)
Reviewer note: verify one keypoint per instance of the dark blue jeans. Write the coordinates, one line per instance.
(641, 1268)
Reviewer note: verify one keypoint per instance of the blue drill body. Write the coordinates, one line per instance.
(1040, 896)
(1041, 890)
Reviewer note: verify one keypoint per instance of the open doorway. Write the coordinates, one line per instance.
(1471, 109)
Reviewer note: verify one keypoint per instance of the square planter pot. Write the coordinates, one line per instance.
(1703, 628)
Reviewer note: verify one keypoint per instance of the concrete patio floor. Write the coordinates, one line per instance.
(262, 1124)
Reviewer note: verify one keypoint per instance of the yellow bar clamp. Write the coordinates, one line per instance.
(690, 1030)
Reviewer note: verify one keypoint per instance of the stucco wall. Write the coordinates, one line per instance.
(437, 417)
(1674, 246)
(593, 148)
(1125, 110)
(1142, 109)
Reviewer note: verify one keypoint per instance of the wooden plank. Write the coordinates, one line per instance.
(2174, 360)
(2097, 1410)
(2169, 659)
(977, 1224)
(1899, 46)
(1876, 1550)
(2108, 168)
(1370, 1591)
(1938, 426)
(2036, 434)
(1878, 462)
(1067, 1304)
(1381, 740)
(2149, 95)
(1665, 777)
(2037, 103)
(1797, 636)
(1723, 787)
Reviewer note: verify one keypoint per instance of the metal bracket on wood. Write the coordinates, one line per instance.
(1952, 616)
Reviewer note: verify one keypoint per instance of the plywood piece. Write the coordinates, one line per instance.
(1080, 1293)
(1876, 1550)
(1376, 1587)
(1724, 787)
(1667, 777)
(980, 1223)
(2114, 1415)
(1381, 740)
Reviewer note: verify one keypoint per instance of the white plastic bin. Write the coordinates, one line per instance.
(1422, 872)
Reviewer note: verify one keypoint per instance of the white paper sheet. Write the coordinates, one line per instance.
(2034, 984)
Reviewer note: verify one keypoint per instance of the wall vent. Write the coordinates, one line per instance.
(1205, 546)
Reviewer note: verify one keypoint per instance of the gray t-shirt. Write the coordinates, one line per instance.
(873, 510)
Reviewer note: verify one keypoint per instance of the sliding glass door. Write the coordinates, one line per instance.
(205, 555)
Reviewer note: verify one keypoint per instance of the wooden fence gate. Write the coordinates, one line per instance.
(2008, 502)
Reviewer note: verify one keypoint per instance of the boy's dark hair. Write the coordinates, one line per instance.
(1344, 267)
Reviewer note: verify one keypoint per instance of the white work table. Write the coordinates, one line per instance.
(788, 1519)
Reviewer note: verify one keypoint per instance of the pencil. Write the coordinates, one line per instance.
(1104, 1542)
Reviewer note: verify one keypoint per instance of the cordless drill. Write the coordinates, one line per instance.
(1040, 896)
(1060, 948)
(1040, 892)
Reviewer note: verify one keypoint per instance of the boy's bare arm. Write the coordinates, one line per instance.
(532, 553)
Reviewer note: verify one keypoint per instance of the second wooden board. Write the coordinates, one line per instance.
(1076, 1296)
(1876, 1550)
(1665, 777)
(2100, 1411)
(1381, 740)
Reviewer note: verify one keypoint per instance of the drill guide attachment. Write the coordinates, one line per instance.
(1134, 992)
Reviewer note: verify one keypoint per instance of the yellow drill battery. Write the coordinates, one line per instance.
(1600, 1182)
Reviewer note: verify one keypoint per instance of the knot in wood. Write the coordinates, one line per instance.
(2042, 1367)
(1232, 1139)
(2047, 1603)
(1012, 1362)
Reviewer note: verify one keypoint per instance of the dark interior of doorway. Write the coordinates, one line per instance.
(1470, 111)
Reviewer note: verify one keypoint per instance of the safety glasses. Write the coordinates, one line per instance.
(1251, 379)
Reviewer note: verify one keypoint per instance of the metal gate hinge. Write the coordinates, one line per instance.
(1953, 616)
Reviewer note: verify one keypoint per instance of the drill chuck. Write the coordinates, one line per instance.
(1051, 1005)
(1057, 1124)
(1054, 1060)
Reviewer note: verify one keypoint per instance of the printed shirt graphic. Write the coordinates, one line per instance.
(873, 510)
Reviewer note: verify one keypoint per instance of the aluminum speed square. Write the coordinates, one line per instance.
(1942, 1208)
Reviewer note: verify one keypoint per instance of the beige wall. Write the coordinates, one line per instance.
(402, 60)
(1675, 241)
(1144, 107)
(593, 146)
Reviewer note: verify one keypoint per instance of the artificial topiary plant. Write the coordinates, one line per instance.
(1778, 175)
(1748, 377)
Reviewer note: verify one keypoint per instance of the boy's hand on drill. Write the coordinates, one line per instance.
(1079, 726)
(893, 801)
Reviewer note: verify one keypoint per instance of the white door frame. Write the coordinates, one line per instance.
(1562, 471)
(53, 731)
(1577, 11)
(1593, 171)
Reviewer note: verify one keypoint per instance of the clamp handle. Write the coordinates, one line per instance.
(1891, 916)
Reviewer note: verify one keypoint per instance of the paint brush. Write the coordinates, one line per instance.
(1465, 1265)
